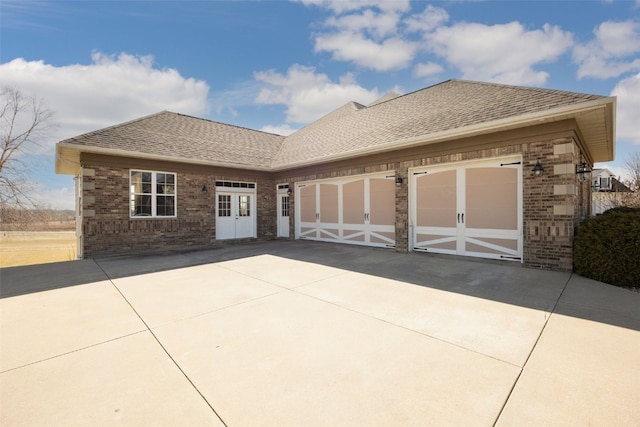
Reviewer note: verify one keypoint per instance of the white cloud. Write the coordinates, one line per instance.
(308, 95)
(611, 52)
(428, 69)
(341, 6)
(390, 54)
(505, 53)
(431, 18)
(628, 93)
(378, 25)
(278, 130)
(365, 32)
(110, 90)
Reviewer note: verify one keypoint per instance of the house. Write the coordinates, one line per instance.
(461, 168)
(607, 191)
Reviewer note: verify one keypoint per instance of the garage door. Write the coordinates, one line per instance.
(472, 209)
(356, 210)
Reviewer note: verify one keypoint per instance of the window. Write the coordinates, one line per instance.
(224, 204)
(244, 205)
(152, 194)
(285, 206)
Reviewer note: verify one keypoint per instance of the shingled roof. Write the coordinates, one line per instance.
(449, 110)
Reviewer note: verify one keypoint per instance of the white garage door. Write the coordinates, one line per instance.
(357, 210)
(472, 209)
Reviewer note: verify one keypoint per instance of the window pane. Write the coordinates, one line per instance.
(165, 206)
(244, 208)
(141, 206)
(285, 205)
(224, 205)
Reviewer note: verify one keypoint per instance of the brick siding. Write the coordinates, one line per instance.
(553, 203)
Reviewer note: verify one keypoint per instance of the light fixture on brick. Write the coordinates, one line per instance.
(537, 169)
(398, 181)
(204, 189)
(583, 172)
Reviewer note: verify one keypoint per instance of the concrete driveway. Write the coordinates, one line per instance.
(310, 334)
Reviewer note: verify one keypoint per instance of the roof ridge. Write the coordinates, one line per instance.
(224, 124)
(521, 87)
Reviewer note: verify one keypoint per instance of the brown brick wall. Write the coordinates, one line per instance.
(108, 230)
(552, 203)
(547, 235)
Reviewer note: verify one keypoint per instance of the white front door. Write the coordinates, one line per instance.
(235, 215)
(283, 214)
(472, 209)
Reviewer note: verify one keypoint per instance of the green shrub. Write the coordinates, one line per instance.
(607, 247)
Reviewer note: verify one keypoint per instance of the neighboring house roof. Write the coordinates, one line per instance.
(615, 185)
(601, 172)
(450, 110)
(619, 187)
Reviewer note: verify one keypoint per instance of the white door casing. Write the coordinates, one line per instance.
(356, 210)
(470, 208)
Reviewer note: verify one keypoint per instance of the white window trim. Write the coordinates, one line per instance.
(154, 194)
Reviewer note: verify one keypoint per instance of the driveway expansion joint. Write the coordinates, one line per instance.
(163, 348)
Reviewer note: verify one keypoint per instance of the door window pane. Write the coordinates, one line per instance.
(244, 205)
(224, 205)
(285, 206)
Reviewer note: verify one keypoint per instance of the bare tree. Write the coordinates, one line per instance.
(23, 121)
(633, 169)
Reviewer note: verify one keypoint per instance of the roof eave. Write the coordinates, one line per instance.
(69, 154)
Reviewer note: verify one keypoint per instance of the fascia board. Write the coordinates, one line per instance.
(147, 156)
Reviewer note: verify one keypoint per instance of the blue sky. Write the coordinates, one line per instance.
(277, 65)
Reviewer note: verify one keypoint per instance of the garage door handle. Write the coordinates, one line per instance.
(458, 218)
(463, 218)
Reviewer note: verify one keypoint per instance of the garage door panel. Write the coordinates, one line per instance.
(490, 198)
(328, 203)
(492, 246)
(353, 202)
(435, 241)
(382, 201)
(437, 199)
(353, 235)
(383, 237)
(329, 233)
(308, 203)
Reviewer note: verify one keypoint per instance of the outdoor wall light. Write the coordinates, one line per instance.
(204, 189)
(288, 191)
(537, 169)
(583, 172)
(398, 181)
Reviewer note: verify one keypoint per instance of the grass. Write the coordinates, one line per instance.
(36, 247)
